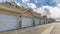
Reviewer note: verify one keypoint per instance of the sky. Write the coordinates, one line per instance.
(36, 3)
(52, 6)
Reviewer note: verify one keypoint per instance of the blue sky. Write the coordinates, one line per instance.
(39, 3)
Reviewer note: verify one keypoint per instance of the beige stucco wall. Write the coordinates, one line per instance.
(8, 12)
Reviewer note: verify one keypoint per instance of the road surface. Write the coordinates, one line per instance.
(52, 28)
(56, 29)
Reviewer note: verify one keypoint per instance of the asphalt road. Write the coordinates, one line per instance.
(32, 30)
(52, 28)
(56, 29)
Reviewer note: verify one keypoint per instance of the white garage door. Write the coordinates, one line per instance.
(37, 21)
(42, 21)
(8, 22)
(26, 22)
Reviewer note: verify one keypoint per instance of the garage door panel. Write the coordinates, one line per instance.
(8, 22)
(26, 22)
(42, 21)
(37, 21)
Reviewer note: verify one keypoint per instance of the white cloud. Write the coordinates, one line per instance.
(42, 11)
(25, 1)
(31, 5)
(54, 12)
(57, 1)
(58, 6)
(17, 3)
(36, 1)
